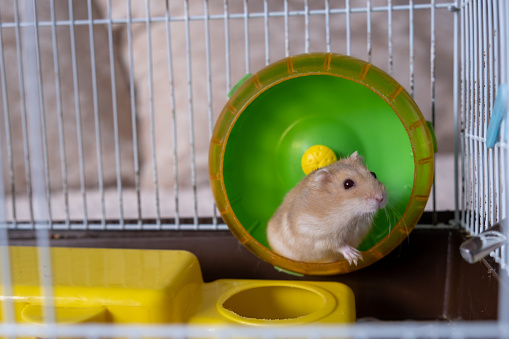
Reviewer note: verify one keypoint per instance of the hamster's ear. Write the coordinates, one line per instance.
(322, 176)
(356, 157)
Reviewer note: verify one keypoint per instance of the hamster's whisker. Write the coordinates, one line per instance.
(388, 219)
(398, 216)
(375, 226)
(395, 212)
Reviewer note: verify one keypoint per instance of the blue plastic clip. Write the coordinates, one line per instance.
(497, 116)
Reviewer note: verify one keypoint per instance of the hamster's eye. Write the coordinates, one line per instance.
(349, 183)
(373, 174)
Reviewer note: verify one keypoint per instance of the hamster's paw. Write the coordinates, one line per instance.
(352, 255)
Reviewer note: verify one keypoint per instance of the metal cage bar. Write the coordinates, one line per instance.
(134, 124)
(118, 164)
(409, 330)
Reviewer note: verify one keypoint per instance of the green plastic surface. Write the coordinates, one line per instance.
(265, 146)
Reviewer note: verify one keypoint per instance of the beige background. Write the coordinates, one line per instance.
(154, 110)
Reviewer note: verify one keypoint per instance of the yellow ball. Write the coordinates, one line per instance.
(317, 156)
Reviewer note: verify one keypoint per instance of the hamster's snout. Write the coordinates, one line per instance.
(378, 201)
(381, 199)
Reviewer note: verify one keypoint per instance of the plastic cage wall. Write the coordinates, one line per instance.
(108, 108)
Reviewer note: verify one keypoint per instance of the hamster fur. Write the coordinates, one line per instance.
(327, 215)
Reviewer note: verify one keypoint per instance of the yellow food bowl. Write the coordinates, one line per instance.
(274, 303)
(158, 286)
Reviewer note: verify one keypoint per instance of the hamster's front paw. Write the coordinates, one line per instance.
(352, 255)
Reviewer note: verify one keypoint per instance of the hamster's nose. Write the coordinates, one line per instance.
(381, 200)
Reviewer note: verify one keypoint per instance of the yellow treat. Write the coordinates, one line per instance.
(317, 156)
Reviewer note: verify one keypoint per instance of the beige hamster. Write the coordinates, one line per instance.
(327, 215)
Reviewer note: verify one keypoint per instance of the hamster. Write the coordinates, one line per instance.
(327, 215)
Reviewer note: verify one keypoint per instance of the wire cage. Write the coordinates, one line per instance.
(108, 108)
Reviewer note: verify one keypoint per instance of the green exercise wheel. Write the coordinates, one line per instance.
(343, 103)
